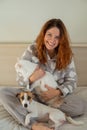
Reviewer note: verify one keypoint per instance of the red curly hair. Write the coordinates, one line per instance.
(63, 51)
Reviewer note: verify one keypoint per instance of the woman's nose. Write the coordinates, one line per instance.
(52, 39)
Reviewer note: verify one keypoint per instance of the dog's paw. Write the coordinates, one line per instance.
(27, 121)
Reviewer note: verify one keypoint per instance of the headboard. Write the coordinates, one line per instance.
(9, 52)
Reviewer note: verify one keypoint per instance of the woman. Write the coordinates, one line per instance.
(52, 52)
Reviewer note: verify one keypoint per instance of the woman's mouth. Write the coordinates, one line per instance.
(51, 44)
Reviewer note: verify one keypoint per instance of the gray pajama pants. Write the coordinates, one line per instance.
(72, 106)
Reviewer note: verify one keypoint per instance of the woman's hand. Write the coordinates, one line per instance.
(37, 74)
(50, 93)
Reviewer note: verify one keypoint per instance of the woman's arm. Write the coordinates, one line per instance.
(66, 83)
(29, 56)
(37, 74)
(70, 80)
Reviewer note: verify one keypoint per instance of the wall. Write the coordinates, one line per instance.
(21, 20)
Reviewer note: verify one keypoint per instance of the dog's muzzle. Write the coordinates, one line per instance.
(25, 105)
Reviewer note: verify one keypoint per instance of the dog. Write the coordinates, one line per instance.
(37, 110)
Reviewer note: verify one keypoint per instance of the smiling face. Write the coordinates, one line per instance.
(51, 39)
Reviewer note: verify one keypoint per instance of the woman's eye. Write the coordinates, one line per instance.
(49, 34)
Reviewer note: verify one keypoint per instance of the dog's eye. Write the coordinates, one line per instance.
(28, 97)
(22, 97)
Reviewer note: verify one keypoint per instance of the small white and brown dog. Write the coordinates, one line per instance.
(37, 110)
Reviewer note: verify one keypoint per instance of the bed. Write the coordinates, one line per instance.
(8, 56)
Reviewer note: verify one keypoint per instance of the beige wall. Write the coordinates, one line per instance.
(80, 55)
(8, 57)
(10, 52)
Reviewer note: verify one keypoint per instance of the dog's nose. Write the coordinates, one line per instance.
(25, 105)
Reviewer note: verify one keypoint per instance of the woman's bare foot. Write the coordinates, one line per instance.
(40, 126)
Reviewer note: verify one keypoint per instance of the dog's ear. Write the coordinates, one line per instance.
(31, 94)
(17, 95)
